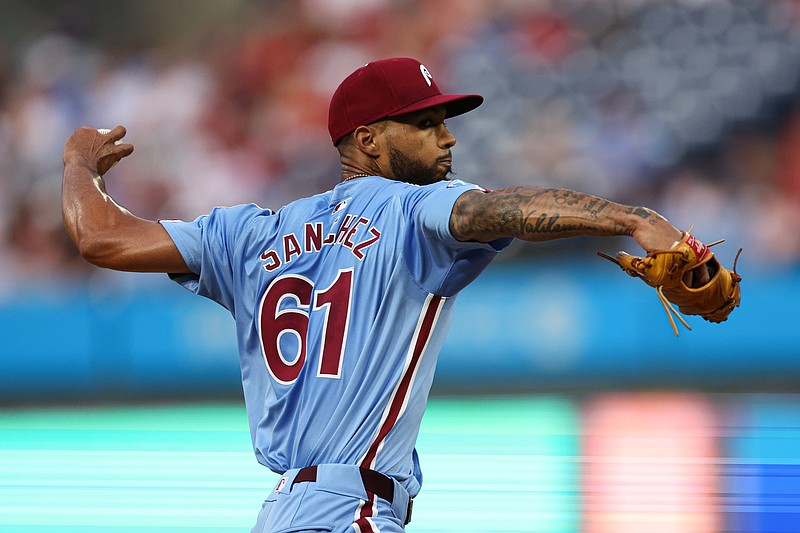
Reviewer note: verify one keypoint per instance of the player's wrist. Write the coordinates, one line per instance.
(78, 161)
(651, 230)
(635, 220)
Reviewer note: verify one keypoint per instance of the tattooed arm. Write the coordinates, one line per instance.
(541, 214)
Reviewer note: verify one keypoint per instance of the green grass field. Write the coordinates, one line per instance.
(490, 464)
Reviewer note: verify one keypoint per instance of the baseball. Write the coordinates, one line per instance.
(105, 131)
(104, 169)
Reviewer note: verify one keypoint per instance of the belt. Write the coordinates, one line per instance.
(374, 482)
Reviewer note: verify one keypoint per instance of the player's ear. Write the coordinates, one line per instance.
(367, 140)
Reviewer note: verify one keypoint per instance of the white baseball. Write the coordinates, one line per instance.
(105, 131)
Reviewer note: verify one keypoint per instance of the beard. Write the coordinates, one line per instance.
(414, 171)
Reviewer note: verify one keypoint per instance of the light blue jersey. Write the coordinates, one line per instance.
(342, 302)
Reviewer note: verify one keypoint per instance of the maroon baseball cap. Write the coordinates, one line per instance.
(387, 88)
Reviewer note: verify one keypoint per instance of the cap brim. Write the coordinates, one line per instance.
(455, 104)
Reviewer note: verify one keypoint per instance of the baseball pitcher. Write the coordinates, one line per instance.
(342, 300)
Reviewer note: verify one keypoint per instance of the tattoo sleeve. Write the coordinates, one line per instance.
(539, 214)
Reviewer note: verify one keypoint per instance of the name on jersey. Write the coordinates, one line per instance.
(352, 234)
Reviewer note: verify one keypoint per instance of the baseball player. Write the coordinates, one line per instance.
(342, 300)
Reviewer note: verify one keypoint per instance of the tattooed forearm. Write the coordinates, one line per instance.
(642, 213)
(551, 224)
(479, 214)
(595, 205)
(534, 214)
(476, 215)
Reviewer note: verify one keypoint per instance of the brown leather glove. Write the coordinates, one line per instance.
(669, 271)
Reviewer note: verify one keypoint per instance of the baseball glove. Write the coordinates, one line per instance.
(671, 272)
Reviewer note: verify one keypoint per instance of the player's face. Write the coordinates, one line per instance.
(419, 146)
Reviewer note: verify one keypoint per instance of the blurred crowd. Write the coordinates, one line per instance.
(689, 107)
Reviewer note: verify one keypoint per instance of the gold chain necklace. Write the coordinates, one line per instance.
(354, 176)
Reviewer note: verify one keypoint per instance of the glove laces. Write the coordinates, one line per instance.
(669, 308)
(671, 312)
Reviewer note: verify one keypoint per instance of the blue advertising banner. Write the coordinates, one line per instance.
(564, 327)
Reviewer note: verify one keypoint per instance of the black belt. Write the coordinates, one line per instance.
(374, 482)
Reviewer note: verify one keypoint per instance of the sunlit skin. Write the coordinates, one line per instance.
(105, 233)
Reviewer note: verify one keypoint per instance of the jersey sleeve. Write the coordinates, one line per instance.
(440, 263)
(208, 245)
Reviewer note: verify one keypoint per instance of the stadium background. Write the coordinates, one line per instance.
(563, 402)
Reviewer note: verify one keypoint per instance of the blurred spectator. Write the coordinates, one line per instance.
(678, 105)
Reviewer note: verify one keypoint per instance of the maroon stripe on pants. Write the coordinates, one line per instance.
(367, 510)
